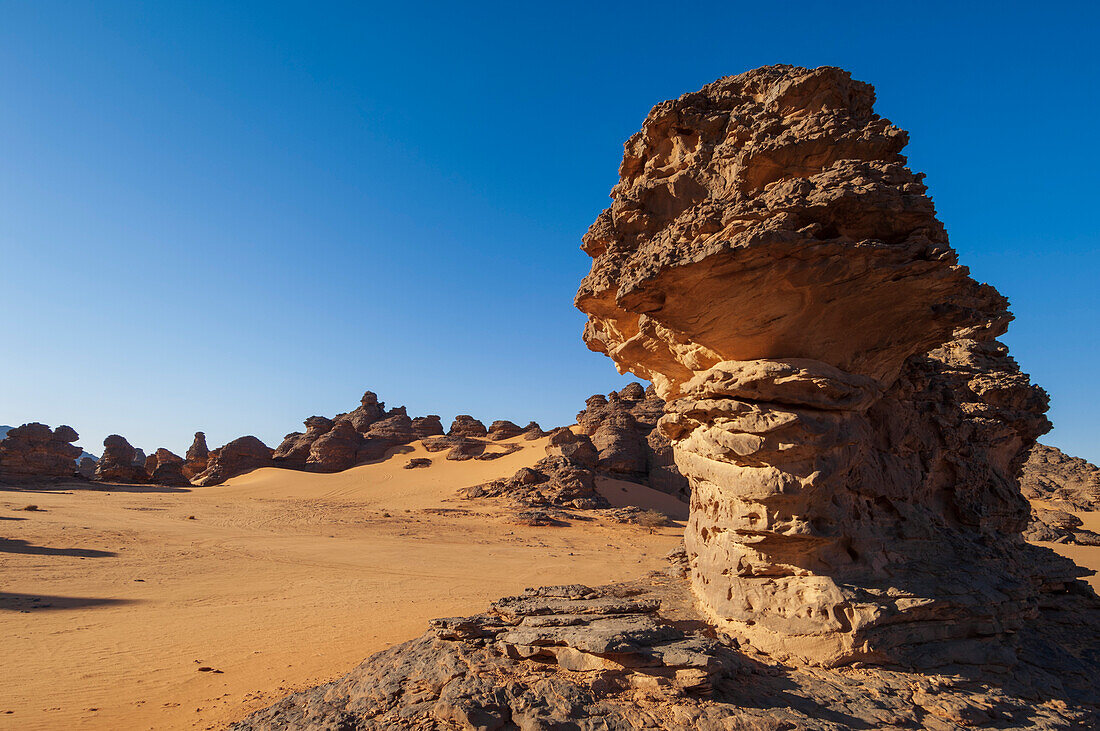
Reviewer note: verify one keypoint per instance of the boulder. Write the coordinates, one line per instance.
(34, 452)
(577, 448)
(119, 462)
(465, 425)
(533, 431)
(295, 448)
(369, 411)
(239, 456)
(165, 468)
(427, 426)
(503, 429)
(336, 449)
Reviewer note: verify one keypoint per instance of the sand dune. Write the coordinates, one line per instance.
(113, 600)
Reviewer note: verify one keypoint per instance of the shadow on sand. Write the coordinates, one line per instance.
(16, 545)
(39, 602)
(64, 488)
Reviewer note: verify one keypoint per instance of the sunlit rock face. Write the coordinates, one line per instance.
(850, 426)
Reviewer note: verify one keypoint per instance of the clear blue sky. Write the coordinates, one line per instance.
(230, 216)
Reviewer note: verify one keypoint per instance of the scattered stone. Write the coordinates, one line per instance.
(416, 462)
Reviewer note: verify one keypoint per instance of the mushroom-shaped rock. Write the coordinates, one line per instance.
(849, 425)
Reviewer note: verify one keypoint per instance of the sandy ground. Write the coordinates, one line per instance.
(111, 601)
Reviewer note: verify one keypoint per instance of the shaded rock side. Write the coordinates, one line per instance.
(34, 452)
(166, 468)
(195, 461)
(465, 425)
(118, 462)
(850, 427)
(239, 456)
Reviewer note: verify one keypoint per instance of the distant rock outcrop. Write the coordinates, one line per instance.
(195, 461)
(119, 462)
(241, 455)
(35, 452)
(1071, 482)
(166, 468)
(503, 429)
(465, 425)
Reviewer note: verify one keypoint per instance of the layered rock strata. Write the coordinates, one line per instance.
(34, 451)
(850, 427)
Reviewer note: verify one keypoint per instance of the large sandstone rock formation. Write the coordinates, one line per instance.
(241, 455)
(118, 463)
(34, 451)
(850, 426)
(1051, 474)
(198, 454)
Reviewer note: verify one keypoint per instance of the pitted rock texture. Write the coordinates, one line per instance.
(503, 429)
(35, 452)
(118, 463)
(850, 428)
(239, 456)
(637, 656)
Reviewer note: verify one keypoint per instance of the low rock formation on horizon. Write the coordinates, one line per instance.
(241, 455)
(35, 452)
(119, 462)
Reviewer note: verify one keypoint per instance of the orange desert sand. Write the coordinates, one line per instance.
(113, 598)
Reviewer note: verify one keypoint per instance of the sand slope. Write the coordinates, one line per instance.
(110, 602)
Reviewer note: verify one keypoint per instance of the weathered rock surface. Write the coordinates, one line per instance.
(35, 452)
(465, 425)
(427, 426)
(850, 427)
(295, 447)
(636, 656)
(622, 426)
(239, 456)
(553, 481)
(198, 454)
(165, 468)
(417, 462)
(118, 462)
(503, 429)
(533, 431)
(369, 411)
(1050, 474)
